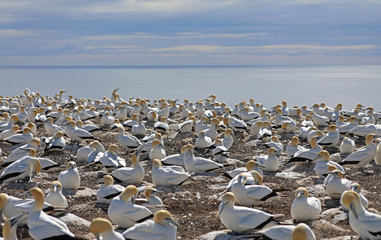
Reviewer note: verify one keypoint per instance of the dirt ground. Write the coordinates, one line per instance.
(194, 204)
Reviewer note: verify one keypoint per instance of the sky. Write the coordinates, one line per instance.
(189, 32)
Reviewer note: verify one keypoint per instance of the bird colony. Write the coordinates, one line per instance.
(75, 168)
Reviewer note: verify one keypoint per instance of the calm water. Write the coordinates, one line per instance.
(269, 85)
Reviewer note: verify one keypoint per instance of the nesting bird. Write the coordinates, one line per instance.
(305, 208)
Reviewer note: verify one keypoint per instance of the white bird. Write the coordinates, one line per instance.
(108, 190)
(203, 141)
(77, 134)
(322, 164)
(202, 124)
(21, 151)
(240, 219)
(347, 146)
(50, 127)
(151, 200)
(157, 150)
(130, 175)
(248, 195)
(70, 178)
(43, 226)
(307, 155)
(175, 159)
(133, 121)
(363, 222)
(9, 231)
(331, 138)
(139, 129)
(124, 212)
(23, 137)
(10, 132)
(352, 123)
(161, 126)
(235, 123)
(198, 164)
(162, 176)
(319, 120)
(56, 143)
(250, 165)
(104, 228)
(275, 143)
(287, 232)
(270, 161)
(220, 153)
(337, 185)
(55, 197)
(357, 188)
(163, 226)
(228, 139)
(96, 149)
(107, 120)
(212, 131)
(305, 208)
(20, 169)
(186, 126)
(127, 141)
(110, 159)
(293, 147)
(377, 158)
(362, 157)
(83, 153)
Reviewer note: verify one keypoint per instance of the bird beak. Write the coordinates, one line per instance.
(157, 192)
(352, 208)
(170, 220)
(222, 208)
(54, 188)
(133, 199)
(17, 219)
(98, 236)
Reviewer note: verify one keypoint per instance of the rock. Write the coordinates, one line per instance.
(331, 203)
(290, 175)
(74, 223)
(87, 192)
(335, 215)
(224, 235)
(329, 228)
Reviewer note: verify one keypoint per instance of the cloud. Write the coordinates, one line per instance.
(11, 33)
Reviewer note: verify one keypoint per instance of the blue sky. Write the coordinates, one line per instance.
(190, 32)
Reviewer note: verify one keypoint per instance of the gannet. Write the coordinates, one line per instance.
(23, 137)
(357, 188)
(202, 124)
(293, 147)
(127, 141)
(288, 127)
(70, 178)
(347, 146)
(331, 138)
(157, 150)
(55, 197)
(198, 164)
(163, 226)
(133, 121)
(314, 133)
(279, 118)
(162, 176)
(110, 159)
(220, 152)
(83, 153)
(212, 131)
(363, 130)
(131, 175)
(10, 132)
(337, 185)
(77, 134)
(96, 149)
(250, 165)
(228, 139)
(175, 159)
(340, 121)
(352, 123)
(239, 219)
(235, 124)
(275, 143)
(186, 126)
(9, 231)
(255, 129)
(161, 126)
(362, 157)
(364, 223)
(322, 164)
(20, 169)
(307, 155)
(203, 141)
(305, 208)
(91, 128)
(8, 125)
(56, 143)
(286, 232)
(139, 129)
(248, 195)
(108, 190)
(151, 200)
(123, 210)
(43, 226)
(21, 152)
(270, 161)
(104, 228)
(319, 120)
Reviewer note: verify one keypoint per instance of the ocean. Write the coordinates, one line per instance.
(269, 85)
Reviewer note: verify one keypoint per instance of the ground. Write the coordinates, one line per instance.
(194, 204)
